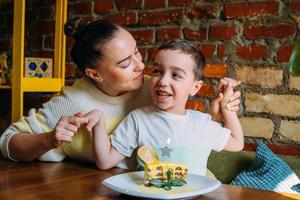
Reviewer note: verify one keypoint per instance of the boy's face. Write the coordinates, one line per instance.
(173, 80)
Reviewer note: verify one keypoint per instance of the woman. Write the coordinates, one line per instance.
(113, 82)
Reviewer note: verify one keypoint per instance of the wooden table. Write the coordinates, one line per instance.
(69, 180)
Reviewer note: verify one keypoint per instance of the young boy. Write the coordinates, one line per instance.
(177, 134)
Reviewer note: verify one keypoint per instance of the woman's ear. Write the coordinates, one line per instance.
(93, 74)
(196, 87)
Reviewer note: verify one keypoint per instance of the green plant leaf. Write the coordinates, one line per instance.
(167, 187)
(177, 182)
(157, 183)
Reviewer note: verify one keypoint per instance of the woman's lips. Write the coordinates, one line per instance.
(139, 76)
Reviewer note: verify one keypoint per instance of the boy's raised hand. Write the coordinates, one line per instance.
(92, 118)
(227, 96)
(232, 104)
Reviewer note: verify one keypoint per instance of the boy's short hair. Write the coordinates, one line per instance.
(189, 48)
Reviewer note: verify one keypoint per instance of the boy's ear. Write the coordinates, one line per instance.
(93, 74)
(196, 88)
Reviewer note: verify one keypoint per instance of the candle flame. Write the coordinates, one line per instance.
(168, 141)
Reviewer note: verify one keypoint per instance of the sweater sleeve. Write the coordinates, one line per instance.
(34, 123)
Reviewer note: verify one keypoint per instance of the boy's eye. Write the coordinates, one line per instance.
(155, 72)
(177, 76)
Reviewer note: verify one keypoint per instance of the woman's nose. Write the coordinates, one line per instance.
(139, 65)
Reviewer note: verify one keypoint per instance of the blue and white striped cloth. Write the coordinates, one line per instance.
(268, 172)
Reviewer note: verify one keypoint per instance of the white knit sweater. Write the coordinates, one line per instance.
(82, 96)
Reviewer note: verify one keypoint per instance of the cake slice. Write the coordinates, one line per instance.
(160, 173)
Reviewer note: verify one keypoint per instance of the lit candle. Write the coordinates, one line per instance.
(168, 141)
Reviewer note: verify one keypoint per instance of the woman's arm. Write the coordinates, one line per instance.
(28, 147)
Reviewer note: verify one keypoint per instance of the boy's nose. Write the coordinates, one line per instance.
(163, 81)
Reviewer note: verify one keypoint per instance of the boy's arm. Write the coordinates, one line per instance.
(231, 121)
(236, 139)
(105, 155)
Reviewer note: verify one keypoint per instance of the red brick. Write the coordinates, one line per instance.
(69, 42)
(279, 31)
(278, 149)
(143, 52)
(148, 70)
(9, 6)
(49, 42)
(6, 32)
(294, 5)
(43, 3)
(123, 18)
(255, 52)
(207, 90)
(5, 44)
(42, 27)
(221, 50)
(70, 70)
(45, 13)
(207, 10)
(152, 53)
(215, 70)
(179, 2)
(190, 34)
(44, 54)
(160, 17)
(284, 53)
(222, 32)
(129, 4)
(103, 6)
(9, 20)
(35, 42)
(208, 50)
(195, 105)
(144, 36)
(149, 4)
(83, 8)
(168, 34)
(239, 10)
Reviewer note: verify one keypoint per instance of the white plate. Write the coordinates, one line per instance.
(132, 184)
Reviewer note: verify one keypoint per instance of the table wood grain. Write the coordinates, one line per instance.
(72, 180)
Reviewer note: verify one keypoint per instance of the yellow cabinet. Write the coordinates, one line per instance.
(21, 84)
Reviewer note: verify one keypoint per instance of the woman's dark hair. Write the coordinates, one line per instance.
(188, 48)
(89, 40)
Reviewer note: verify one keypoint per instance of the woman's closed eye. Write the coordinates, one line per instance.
(126, 65)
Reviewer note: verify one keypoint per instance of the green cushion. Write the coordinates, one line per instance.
(226, 165)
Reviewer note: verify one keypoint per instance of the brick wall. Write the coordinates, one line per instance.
(249, 41)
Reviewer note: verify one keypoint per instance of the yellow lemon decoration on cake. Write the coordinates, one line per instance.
(147, 154)
(160, 173)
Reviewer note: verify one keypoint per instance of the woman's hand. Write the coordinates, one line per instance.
(65, 130)
(232, 104)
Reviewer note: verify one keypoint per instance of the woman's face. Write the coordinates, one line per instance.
(121, 68)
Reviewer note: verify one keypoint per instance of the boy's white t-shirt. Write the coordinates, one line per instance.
(186, 139)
